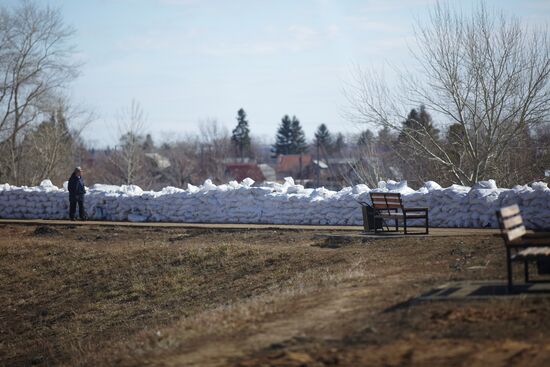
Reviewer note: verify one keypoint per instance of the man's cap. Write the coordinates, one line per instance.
(78, 168)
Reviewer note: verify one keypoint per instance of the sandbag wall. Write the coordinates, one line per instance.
(288, 203)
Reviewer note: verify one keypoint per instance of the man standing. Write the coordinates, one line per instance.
(76, 194)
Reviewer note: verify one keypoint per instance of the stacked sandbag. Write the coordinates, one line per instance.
(278, 203)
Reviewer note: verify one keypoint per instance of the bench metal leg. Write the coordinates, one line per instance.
(405, 223)
(427, 227)
(509, 268)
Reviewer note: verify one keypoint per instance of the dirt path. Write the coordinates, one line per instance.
(320, 315)
(348, 230)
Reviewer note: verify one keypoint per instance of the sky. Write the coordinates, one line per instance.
(188, 61)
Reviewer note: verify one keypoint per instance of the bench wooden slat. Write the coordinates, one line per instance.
(390, 200)
(385, 194)
(509, 211)
(386, 206)
(532, 252)
(516, 233)
(512, 221)
(417, 215)
(380, 200)
(390, 215)
(386, 202)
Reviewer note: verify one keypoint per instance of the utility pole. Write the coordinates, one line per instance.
(300, 172)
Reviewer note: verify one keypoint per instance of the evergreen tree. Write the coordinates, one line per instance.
(455, 142)
(385, 140)
(419, 124)
(290, 137)
(283, 140)
(298, 144)
(323, 138)
(148, 144)
(339, 143)
(366, 139)
(241, 134)
(418, 131)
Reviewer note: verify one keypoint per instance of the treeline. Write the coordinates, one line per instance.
(484, 83)
(401, 153)
(137, 159)
(367, 157)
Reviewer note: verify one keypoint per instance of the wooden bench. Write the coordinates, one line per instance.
(520, 245)
(389, 206)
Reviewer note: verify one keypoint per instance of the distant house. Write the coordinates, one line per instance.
(240, 171)
(300, 166)
(295, 165)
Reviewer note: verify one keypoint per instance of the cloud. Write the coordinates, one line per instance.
(302, 33)
(294, 38)
(392, 6)
(333, 31)
(366, 23)
(156, 40)
(177, 2)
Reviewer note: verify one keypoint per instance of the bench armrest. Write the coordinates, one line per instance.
(413, 209)
(382, 210)
(537, 235)
(526, 244)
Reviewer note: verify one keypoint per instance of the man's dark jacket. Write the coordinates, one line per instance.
(76, 188)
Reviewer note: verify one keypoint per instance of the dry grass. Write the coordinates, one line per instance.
(72, 293)
(134, 296)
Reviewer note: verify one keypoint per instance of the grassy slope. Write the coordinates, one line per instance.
(127, 296)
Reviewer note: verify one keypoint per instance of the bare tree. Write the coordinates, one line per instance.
(484, 75)
(372, 159)
(183, 162)
(35, 64)
(214, 146)
(49, 149)
(127, 162)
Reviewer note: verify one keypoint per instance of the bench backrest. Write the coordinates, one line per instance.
(386, 200)
(511, 223)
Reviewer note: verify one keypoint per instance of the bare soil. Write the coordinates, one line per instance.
(131, 296)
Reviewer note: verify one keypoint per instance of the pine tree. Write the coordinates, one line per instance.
(455, 141)
(298, 144)
(323, 138)
(290, 137)
(148, 144)
(366, 139)
(283, 141)
(339, 143)
(418, 131)
(241, 134)
(419, 124)
(385, 140)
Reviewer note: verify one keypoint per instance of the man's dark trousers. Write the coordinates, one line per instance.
(72, 208)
